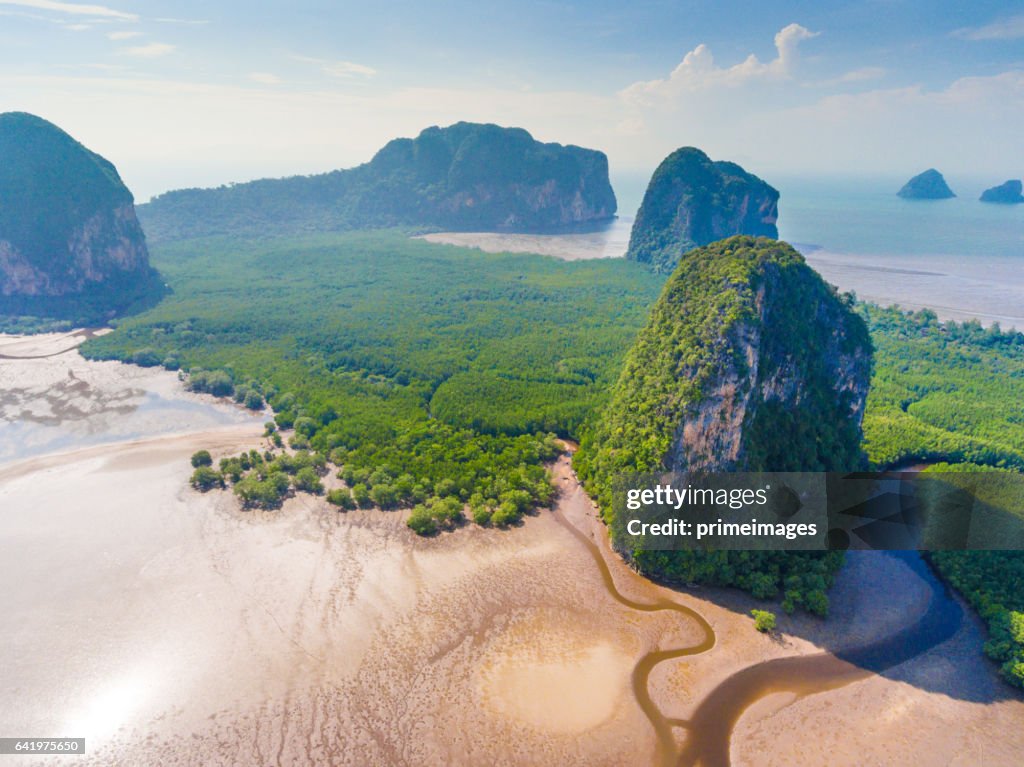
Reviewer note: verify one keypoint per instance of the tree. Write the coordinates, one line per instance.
(201, 458)
(342, 498)
(764, 621)
(506, 514)
(147, 358)
(817, 602)
(204, 478)
(307, 480)
(361, 495)
(384, 496)
(219, 384)
(422, 521)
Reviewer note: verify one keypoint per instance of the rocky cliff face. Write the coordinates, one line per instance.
(1008, 193)
(929, 185)
(749, 362)
(692, 201)
(464, 177)
(68, 231)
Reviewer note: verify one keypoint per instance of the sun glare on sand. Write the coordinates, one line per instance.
(554, 679)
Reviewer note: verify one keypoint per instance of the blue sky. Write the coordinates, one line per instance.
(189, 93)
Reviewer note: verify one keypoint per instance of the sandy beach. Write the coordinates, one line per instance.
(609, 242)
(170, 627)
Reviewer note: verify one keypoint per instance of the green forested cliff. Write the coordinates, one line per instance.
(466, 177)
(693, 201)
(749, 361)
(70, 245)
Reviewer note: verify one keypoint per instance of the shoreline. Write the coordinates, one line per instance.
(199, 633)
(944, 284)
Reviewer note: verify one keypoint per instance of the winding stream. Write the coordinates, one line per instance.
(710, 728)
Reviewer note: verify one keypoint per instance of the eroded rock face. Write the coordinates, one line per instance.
(765, 411)
(108, 242)
(693, 201)
(1007, 193)
(467, 177)
(929, 185)
(67, 225)
(749, 362)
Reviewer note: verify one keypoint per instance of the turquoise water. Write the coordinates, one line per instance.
(961, 257)
(866, 217)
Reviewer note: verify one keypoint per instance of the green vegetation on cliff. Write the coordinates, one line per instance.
(744, 311)
(749, 361)
(693, 201)
(466, 176)
(70, 245)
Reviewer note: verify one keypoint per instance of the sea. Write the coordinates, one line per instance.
(960, 257)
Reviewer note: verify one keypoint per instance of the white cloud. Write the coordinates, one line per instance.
(149, 50)
(265, 78)
(1006, 29)
(171, 134)
(783, 117)
(698, 71)
(123, 35)
(75, 9)
(970, 126)
(342, 69)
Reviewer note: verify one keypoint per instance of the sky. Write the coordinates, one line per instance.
(186, 93)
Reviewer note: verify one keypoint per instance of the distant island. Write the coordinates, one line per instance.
(929, 185)
(1007, 193)
(693, 201)
(70, 244)
(467, 177)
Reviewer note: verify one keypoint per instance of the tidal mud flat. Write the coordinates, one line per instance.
(53, 400)
(168, 627)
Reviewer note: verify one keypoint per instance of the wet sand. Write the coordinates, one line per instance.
(168, 627)
(51, 399)
(954, 288)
